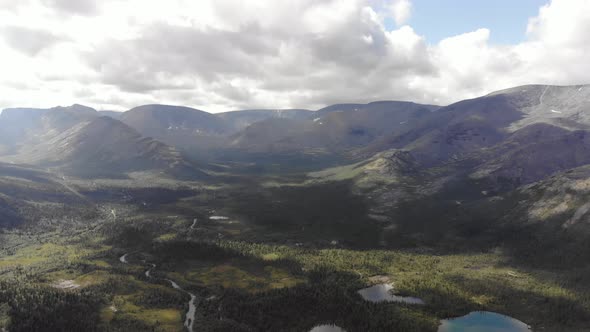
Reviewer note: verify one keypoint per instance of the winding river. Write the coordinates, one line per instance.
(192, 308)
(148, 272)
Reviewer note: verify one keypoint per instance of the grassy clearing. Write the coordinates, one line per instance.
(124, 307)
(242, 277)
(166, 237)
(48, 254)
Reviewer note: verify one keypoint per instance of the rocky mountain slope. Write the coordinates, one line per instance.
(105, 145)
(77, 140)
(461, 128)
(337, 129)
(26, 126)
(188, 129)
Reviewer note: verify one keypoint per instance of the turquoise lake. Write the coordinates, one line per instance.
(483, 321)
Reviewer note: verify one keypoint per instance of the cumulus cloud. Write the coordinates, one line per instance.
(401, 11)
(28, 41)
(221, 54)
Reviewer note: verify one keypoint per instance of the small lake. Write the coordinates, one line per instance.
(383, 293)
(327, 328)
(483, 321)
(218, 218)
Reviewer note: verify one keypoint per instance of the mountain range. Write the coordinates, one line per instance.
(484, 130)
(392, 151)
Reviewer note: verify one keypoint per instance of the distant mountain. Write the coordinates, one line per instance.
(105, 146)
(336, 129)
(516, 136)
(376, 106)
(239, 120)
(186, 128)
(274, 135)
(21, 126)
(455, 131)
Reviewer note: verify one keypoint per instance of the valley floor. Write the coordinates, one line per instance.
(267, 287)
(254, 263)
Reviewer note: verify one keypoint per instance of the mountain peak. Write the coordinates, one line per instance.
(164, 108)
(80, 108)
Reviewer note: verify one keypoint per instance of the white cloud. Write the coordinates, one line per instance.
(222, 54)
(28, 41)
(401, 10)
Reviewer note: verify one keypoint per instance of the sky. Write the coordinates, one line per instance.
(439, 19)
(221, 55)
